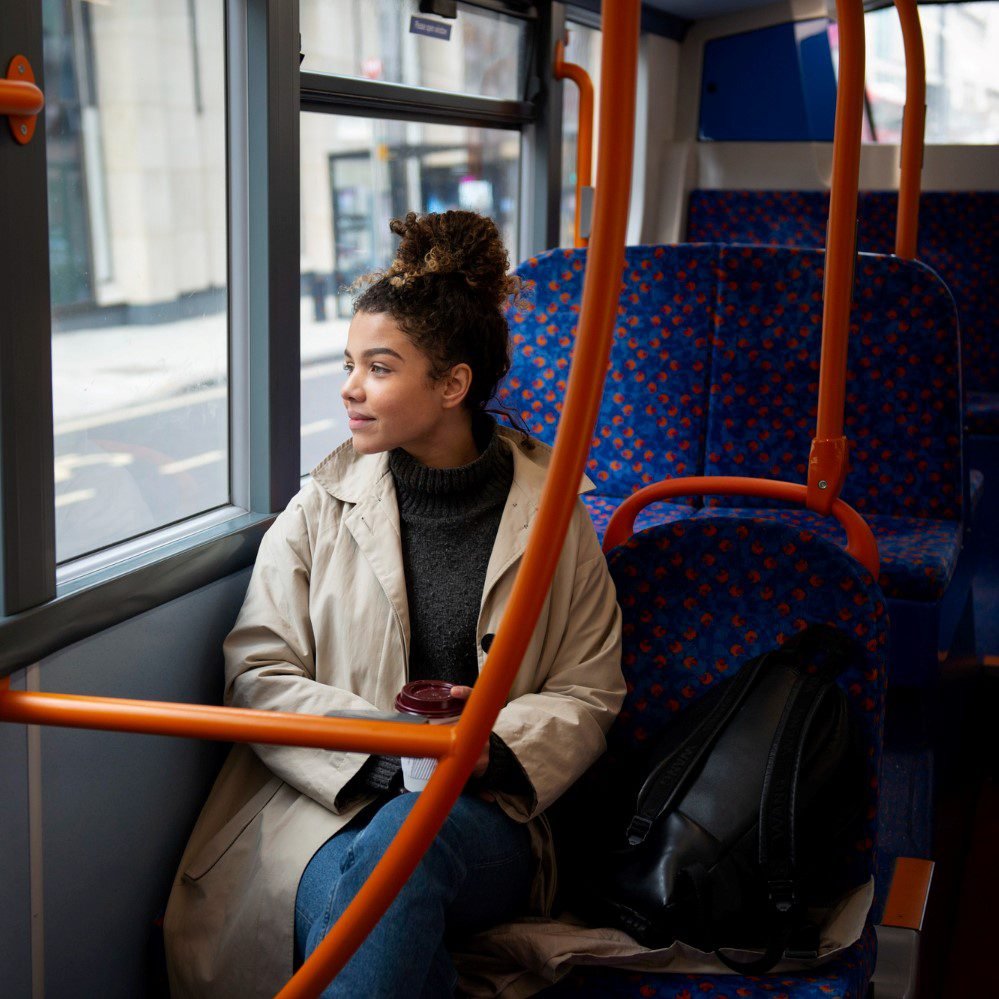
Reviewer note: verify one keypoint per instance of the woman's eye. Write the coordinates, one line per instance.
(379, 370)
(348, 367)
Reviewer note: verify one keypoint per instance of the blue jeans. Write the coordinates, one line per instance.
(476, 873)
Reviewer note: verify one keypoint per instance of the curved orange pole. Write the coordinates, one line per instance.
(860, 541)
(913, 131)
(584, 135)
(827, 461)
(592, 352)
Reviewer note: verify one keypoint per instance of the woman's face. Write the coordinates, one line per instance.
(390, 397)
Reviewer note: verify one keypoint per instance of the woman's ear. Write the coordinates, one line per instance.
(456, 384)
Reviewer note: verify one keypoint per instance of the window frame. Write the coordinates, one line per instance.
(45, 607)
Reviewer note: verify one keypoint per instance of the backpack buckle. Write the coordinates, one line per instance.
(783, 895)
(638, 829)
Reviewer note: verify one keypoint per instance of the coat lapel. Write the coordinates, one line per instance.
(374, 525)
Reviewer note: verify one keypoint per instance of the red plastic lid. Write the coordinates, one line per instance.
(430, 698)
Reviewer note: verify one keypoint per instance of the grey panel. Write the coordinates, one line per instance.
(117, 808)
(15, 893)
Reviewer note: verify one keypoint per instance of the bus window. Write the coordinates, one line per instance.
(962, 76)
(135, 129)
(583, 50)
(356, 174)
(480, 52)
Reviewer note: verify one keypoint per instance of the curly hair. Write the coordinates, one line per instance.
(445, 290)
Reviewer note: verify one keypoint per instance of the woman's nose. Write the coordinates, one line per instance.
(351, 387)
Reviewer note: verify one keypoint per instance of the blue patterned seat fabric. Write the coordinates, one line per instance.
(654, 408)
(714, 370)
(918, 556)
(699, 598)
(958, 238)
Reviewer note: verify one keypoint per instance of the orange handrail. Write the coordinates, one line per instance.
(572, 443)
(202, 721)
(860, 540)
(584, 136)
(827, 460)
(20, 99)
(913, 131)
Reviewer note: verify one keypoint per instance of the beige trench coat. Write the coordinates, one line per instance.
(325, 627)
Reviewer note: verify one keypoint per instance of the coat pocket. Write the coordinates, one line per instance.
(213, 850)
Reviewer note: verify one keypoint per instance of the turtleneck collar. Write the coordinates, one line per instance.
(448, 492)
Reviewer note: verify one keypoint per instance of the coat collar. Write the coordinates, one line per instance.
(352, 477)
(364, 483)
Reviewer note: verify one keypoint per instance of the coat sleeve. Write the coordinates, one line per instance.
(559, 731)
(270, 656)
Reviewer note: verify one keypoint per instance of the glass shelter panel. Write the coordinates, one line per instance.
(135, 129)
(479, 52)
(356, 175)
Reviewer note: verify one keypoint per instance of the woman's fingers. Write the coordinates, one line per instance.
(462, 693)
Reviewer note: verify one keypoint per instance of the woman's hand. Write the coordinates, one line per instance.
(462, 693)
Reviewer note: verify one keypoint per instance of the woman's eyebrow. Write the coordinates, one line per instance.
(374, 351)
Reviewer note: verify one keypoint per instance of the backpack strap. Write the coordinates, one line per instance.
(671, 776)
(827, 651)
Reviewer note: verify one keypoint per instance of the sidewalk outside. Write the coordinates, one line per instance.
(110, 369)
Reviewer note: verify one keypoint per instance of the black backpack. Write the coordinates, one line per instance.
(740, 819)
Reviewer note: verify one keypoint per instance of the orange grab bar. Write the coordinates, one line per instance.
(860, 541)
(913, 131)
(584, 136)
(827, 460)
(592, 353)
(201, 721)
(21, 99)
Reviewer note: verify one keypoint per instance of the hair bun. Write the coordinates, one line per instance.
(454, 242)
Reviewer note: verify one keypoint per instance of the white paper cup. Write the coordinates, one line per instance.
(417, 770)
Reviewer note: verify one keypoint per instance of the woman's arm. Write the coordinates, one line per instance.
(559, 731)
(270, 654)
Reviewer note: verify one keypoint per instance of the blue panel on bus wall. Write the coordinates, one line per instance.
(771, 85)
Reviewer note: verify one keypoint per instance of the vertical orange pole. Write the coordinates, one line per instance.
(913, 131)
(827, 461)
(599, 306)
(584, 134)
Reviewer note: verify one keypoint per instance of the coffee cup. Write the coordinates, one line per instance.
(432, 700)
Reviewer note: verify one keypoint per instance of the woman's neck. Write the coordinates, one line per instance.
(453, 447)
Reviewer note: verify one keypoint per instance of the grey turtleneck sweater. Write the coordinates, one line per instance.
(449, 519)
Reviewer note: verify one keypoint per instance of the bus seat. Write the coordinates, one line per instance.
(653, 414)
(699, 598)
(957, 237)
(903, 417)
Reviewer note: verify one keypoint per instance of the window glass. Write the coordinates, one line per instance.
(135, 132)
(583, 50)
(356, 174)
(960, 41)
(479, 52)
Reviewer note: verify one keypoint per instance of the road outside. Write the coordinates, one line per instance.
(142, 423)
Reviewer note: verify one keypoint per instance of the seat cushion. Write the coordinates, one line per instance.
(918, 556)
(601, 508)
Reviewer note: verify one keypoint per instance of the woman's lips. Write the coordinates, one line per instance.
(357, 422)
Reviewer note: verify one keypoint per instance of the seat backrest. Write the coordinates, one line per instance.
(700, 597)
(654, 409)
(958, 238)
(903, 405)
